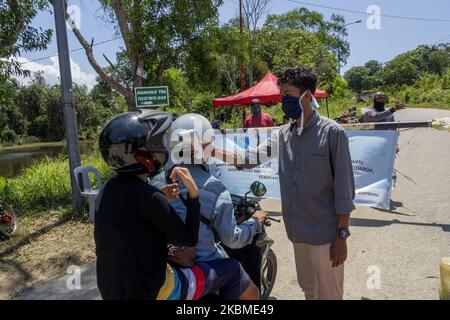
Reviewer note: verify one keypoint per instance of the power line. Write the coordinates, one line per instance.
(73, 50)
(367, 14)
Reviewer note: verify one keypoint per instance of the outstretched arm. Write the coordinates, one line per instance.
(265, 151)
(374, 116)
(230, 233)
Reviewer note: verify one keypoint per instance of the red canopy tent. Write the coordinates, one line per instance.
(266, 91)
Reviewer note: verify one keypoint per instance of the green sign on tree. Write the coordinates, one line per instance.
(152, 96)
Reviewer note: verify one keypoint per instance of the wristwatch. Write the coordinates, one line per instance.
(343, 233)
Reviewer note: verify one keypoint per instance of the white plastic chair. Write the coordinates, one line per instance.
(84, 184)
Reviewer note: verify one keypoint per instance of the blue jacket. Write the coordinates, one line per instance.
(215, 205)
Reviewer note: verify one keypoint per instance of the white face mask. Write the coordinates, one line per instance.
(315, 105)
(302, 118)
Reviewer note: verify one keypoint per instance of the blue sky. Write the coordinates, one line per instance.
(394, 37)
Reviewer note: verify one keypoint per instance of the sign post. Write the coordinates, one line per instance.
(70, 119)
(151, 97)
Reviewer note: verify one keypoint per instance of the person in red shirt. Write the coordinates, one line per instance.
(258, 119)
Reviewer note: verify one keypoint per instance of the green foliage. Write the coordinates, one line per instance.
(213, 61)
(405, 69)
(36, 110)
(46, 184)
(367, 77)
(18, 35)
(331, 32)
(429, 91)
(418, 77)
(288, 47)
(178, 88)
(202, 64)
(400, 71)
(202, 103)
(161, 30)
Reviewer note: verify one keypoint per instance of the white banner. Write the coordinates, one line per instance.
(373, 156)
(372, 152)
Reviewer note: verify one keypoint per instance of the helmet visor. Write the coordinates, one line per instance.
(166, 139)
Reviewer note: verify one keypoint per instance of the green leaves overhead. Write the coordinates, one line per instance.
(161, 30)
(330, 32)
(18, 35)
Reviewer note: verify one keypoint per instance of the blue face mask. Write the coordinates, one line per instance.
(291, 107)
(256, 110)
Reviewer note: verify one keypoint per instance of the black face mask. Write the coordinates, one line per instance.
(379, 106)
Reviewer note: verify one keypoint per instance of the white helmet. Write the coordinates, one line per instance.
(191, 132)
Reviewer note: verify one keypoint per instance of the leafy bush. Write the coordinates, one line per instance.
(202, 103)
(430, 90)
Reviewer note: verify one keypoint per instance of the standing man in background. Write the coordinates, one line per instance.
(258, 119)
(378, 112)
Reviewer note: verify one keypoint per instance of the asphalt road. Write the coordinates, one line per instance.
(403, 246)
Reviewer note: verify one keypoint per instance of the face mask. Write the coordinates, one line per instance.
(291, 107)
(256, 110)
(314, 103)
(379, 106)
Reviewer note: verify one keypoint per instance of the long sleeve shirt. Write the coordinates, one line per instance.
(373, 115)
(215, 205)
(316, 177)
(133, 225)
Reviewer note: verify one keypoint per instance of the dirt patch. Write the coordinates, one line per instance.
(47, 244)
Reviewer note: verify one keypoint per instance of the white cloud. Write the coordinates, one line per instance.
(51, 72)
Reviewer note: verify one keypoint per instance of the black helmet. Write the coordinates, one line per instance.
(137, 142)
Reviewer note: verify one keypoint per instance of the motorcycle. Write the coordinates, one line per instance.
(349, 117)
(9, 224)
(258, 258)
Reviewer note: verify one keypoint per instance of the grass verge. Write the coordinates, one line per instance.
(48, 242)
(51, 236)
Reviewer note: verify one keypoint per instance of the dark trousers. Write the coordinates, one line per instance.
(250, 259)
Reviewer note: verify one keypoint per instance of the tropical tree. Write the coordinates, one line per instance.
(368, 77)
(18, 35)
(281, 48)
(254, 11)
(400, 71)
(155, 33)
(331, 32)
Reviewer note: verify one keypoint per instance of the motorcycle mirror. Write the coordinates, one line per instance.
(258, 189)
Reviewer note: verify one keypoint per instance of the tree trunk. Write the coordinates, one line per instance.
(125, 92)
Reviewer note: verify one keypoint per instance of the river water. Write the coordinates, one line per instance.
(13, 160)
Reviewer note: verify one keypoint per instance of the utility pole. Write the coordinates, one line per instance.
(241, 20)
(70, 120)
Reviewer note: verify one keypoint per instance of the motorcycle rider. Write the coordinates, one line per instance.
(378, 112)
(217, 210)
(134, 222)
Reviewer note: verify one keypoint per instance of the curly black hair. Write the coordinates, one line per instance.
(301, 77)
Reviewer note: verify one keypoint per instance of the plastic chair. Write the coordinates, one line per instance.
(84, 184)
